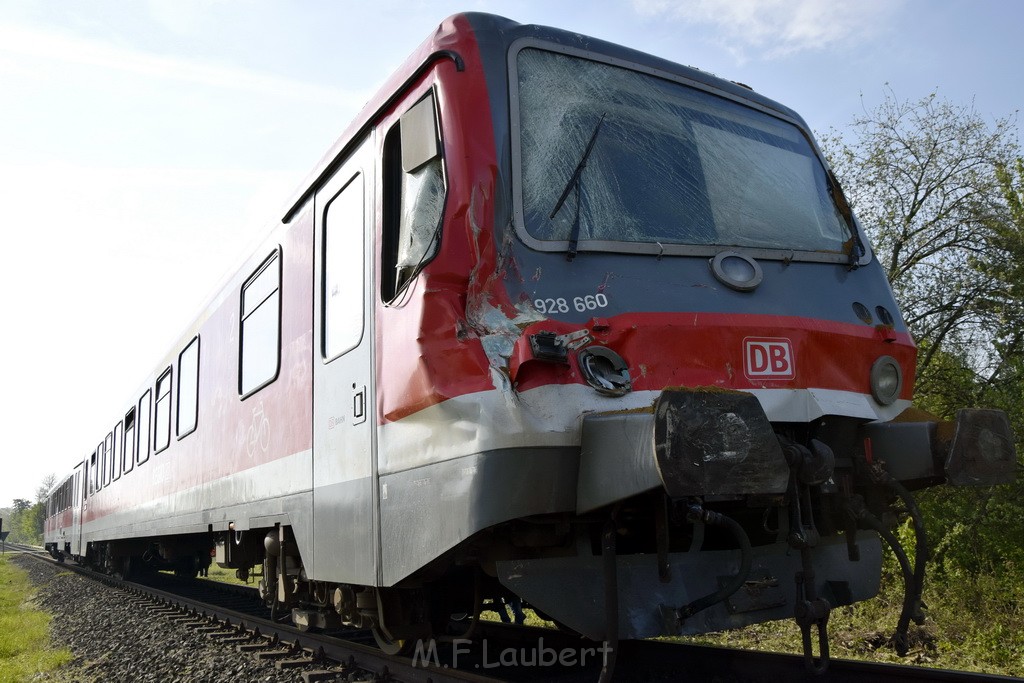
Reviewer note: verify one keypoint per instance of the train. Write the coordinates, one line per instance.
(553, 320)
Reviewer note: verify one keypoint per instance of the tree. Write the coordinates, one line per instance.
(940, 191)
(923, 177)
(27, 519)
(30, 522)
(1006, 242)
(44, 487)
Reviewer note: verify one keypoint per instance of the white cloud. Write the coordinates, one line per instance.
(28, 42)
(776, 28)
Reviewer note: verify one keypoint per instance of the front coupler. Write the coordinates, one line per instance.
(918, 449)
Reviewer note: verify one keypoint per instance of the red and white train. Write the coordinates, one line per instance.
(553, 319)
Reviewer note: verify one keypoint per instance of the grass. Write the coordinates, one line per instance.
(228, 576)
(966, 629)
(24, 636)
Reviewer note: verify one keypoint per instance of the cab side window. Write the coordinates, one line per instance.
(414, 194)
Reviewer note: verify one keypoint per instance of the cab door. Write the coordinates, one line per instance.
(345, 515)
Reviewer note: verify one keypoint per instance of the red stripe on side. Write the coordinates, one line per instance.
(674, 349)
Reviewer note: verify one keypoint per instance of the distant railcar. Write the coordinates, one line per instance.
(553, 316)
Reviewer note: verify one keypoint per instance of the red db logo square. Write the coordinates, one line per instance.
(768, 358)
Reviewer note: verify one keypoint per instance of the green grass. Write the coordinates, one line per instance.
(972, 625)
(228, 576)
(24, 637)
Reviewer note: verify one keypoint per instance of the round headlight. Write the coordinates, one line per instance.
(886, 380)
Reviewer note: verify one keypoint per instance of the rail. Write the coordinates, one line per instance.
(499, 653)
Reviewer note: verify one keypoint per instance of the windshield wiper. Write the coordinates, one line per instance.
(574, 181)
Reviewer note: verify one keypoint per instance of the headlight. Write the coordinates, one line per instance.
(886, 380)
(605, 370)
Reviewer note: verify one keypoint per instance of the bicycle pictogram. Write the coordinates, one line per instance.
(258, 434)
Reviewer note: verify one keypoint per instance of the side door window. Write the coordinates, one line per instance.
(343, 270)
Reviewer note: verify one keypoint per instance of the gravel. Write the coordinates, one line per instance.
(113, 640)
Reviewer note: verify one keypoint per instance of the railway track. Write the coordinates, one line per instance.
(234, 617)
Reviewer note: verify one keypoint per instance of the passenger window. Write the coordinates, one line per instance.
(103, 476)
(162, 413)
(343, 270)
(260, 344)
(188, 388)
(128, 445)
(414, 194)
(115, 452)
(144, 441)
(108, 459)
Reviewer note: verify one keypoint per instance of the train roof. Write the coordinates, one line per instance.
(494, 35)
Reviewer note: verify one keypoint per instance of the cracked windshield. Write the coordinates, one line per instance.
(614, 155)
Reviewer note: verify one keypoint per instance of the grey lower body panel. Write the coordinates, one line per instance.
(428, 510)
(571, 589)
(344, 533)
(293, 510)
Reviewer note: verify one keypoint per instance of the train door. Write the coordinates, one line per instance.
(344, 458)
(77, 500)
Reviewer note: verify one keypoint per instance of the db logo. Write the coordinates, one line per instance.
(768, 358)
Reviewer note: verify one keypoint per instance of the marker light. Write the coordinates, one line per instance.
(737, 271)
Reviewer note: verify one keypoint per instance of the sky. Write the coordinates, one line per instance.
(147, 145)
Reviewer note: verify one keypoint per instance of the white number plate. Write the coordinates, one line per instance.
(590, 302)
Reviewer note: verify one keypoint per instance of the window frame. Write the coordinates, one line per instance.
(103, 474)
(195, 395)
(129, 436)
(650, 248)
(90, 475)
(108, 458)
(391, 291)
(167, 374)
(359, 179)
(276, 256)
(117, 457)
(142, 455)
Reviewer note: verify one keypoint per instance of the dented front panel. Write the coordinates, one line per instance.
(458, 376)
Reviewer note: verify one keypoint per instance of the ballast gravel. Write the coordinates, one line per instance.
(112, 639)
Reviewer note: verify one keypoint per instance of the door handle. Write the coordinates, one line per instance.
(359, 406)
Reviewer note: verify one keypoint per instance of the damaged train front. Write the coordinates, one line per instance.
(707, 304)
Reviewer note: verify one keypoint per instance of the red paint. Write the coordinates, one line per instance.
(677, 349)
(421, 359)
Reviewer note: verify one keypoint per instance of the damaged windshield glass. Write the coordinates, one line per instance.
(675, 165)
